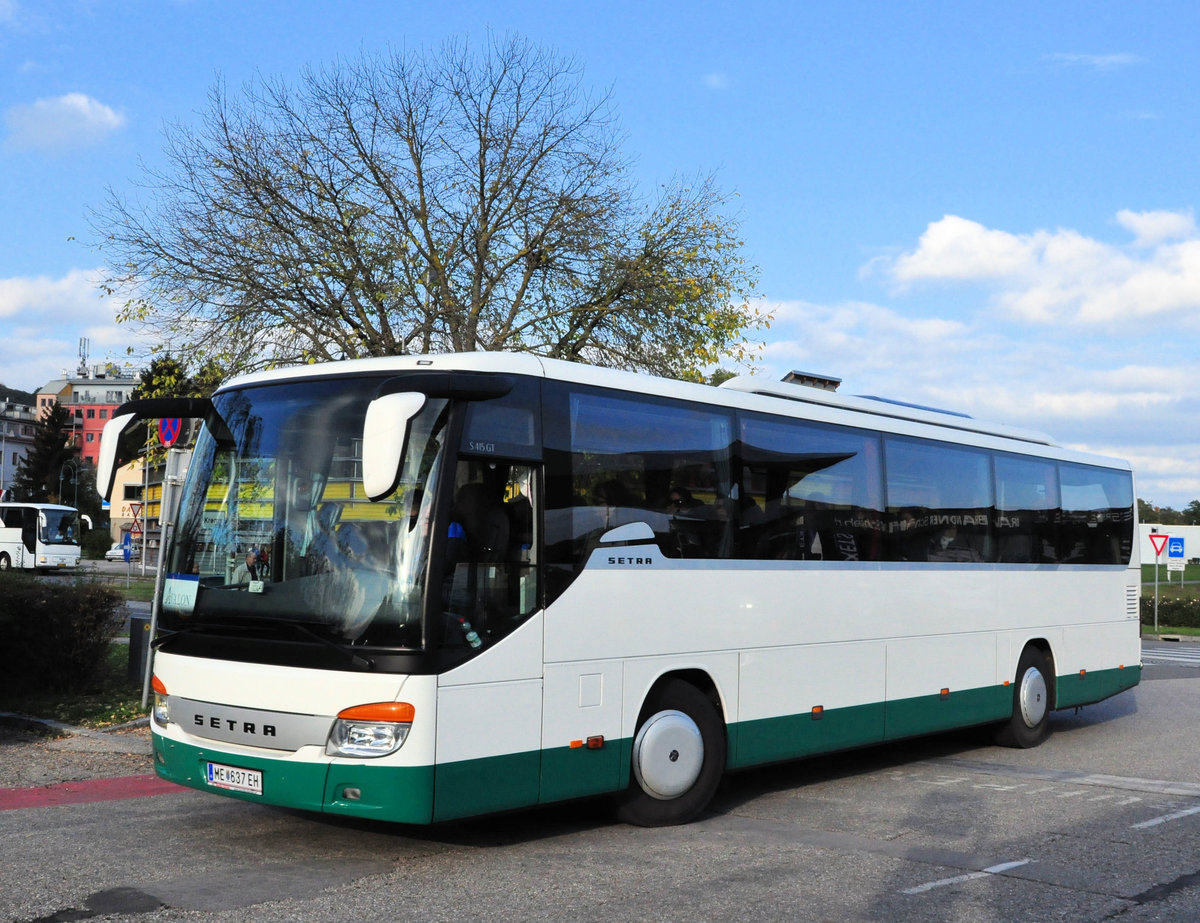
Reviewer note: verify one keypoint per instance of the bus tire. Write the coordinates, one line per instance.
(678, 758)
(5, 563)
(1033, 698)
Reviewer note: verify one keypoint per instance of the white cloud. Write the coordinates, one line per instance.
(717, 81)
(1063, 276)
(1084, 393)
(1150, 228)
(42, 320)
(61, 123)
(1100, 62)
(956, 248)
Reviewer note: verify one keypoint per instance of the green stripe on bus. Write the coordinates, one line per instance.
(767, 740)
(1094, 685)
(576, 772)
(480, 786)
(928, 714)
(403, 794)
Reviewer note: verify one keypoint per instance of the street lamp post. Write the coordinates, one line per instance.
(74, 465)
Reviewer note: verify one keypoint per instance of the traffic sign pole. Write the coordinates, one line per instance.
(1159, 542)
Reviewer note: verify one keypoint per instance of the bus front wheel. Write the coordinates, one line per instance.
(678, 758)
(1033, 695)
(5, 563)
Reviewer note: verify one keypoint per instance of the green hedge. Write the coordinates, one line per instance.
(1178, 613)
(95, 543)
(55, 633)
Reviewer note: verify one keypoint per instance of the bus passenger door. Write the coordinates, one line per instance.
(582, 750)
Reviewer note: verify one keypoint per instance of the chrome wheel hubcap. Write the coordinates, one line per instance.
(668, 754)
(1033, 697)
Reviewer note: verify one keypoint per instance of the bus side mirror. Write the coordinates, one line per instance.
(87, 520)
(110, 441)
(385, 438)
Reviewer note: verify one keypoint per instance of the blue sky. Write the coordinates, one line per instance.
(985, 207)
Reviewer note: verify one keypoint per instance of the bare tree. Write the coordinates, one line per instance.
(421, 203)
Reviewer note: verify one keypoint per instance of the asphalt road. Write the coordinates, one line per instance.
(1101, 822)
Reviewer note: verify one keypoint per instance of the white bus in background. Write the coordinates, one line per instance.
(423, 588)
(40, 536)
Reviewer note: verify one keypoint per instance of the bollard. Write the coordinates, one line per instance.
(139, 647)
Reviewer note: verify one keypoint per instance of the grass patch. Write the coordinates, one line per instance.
(1171, 630)
(140, 589)
(111, 699)
(1190, 572)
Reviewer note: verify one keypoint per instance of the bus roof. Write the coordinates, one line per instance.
(750, 392)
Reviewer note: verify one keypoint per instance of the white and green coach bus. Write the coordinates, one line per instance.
(40, 536)
(423, 588)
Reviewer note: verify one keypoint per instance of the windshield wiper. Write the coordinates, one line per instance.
(207, 628)
(363, 663)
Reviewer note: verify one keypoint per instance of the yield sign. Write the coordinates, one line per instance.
(1159, 542)
(135, 527)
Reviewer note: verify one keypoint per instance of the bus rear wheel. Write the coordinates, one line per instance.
(678, 758)
(5, 563)
(1033, 694)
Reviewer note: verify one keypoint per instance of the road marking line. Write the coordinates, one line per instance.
(970, 876)
(1166, 817)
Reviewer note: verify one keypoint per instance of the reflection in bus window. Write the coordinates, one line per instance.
(1026, 510)
(939, 502)
(809, 492)
(1097, 515)
(631, 459)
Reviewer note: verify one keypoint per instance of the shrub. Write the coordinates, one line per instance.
(54, 633)
(95, 543)
(1178, 613)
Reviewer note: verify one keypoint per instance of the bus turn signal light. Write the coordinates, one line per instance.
(380, 711)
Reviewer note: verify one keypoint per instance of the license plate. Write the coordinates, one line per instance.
(235, 779)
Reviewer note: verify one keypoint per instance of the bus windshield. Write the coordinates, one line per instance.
(58, 527)
(274, 526)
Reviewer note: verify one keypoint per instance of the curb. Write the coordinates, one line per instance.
(70, 729)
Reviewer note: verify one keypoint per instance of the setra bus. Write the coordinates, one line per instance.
(39, 536)
(423, 588)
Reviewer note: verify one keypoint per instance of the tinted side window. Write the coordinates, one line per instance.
(1097, 515)
(506, 426)
(939, 500)
(1027, 514)
(809, 492)
(614, 459)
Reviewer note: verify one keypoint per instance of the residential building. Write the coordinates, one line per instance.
(18, 421)
(90, 397)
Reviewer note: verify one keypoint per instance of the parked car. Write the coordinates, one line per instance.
(117, 552)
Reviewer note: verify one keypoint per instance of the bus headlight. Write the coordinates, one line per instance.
(161, 713)
(370, 730)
